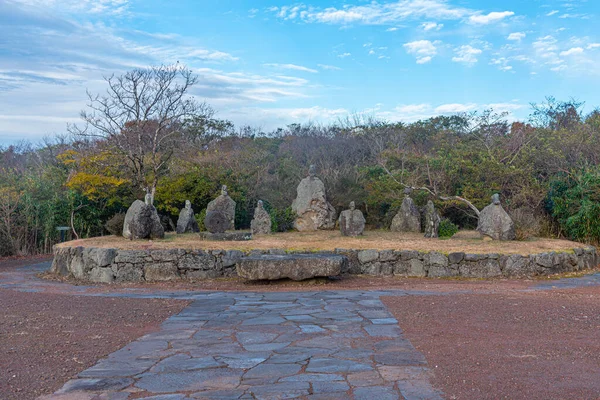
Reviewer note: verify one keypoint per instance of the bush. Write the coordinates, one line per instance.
(528, 223)
(200, 220)
(447, 229)
(115, 225)
(282, 220)
(575, 203)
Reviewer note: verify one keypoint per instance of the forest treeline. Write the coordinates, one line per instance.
(547, 171)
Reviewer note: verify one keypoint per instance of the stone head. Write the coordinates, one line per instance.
(430, 205)
(352, 206)
(188, 204)
(408, 191)
(148, 199)
(224, 190)
(312, 171)
(260, 204)
(496, 199)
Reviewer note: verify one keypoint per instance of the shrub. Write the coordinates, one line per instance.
(115, 225)
(282, 220)
(575, 203)
(528, 223)
(200, 219)
(447, 229)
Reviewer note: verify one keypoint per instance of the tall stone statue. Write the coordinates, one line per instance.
(142, 221)
(187, 222)
(432, 220)
(225, 205)
(352, 222)
(495, 223)
(311, 206)
(261, 223)
(408, 218)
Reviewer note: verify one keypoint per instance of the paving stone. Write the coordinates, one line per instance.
(383, 330)
(218, 394)
(376, 392)
(285, 390)
(265, 320)
(311, 329)
(214, 378)
(384, 321)
(334, 365)
(274, 371)
(313, 378)
(329, 387)
(266, 346)
(365, 378)
(95, 385)
(400, 358)
(183, 362)
(242, 360)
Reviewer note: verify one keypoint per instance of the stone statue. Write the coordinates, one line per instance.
(142, 221)
(495, 223)
(187, 222)
(261, 223)
(408, 218)
(352, 222)
(311, 206)
(432, 221)
(225, 205)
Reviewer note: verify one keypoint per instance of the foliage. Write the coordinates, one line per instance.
(115, 225)
(575, 202)
(447, 229)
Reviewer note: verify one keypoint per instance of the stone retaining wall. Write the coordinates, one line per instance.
(113, 265)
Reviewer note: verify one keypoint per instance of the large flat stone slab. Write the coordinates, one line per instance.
(293, 266)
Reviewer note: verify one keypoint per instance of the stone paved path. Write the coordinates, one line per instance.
(316, 345)
(320, 345)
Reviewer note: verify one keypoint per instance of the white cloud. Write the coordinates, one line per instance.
(428, 26)
(593, 46)
(107, 7)
(572, 51)
(484, 19)
(292, 67)
(374, 13)
(466, 54)
(423, 50)
(413, 108)
(455, 108)
(344, 55)
(518, 36)
(392, 29)
(329, 67)
(551, 13)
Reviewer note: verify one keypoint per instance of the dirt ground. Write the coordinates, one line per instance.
(465, 241)
(539, 345)
(45, 339)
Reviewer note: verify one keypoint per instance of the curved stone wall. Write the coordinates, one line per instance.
(114, 265)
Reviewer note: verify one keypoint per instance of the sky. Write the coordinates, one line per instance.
(269, 63)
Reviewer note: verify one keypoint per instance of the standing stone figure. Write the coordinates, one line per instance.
(186, 221)
(408, 218)
(311, 206)
(352, 222)
(142, 221)
(495, 223)
(225, 205)
(261, 223)
(432, 220)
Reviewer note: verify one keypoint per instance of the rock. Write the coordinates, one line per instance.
(187, 222)
(495, 223)
(225, 205)
(129, 273)
(432, 221)
(311, 206)
(216, 222)
(352, 222)
(61, 261)
(102, 275)
(142, 222)
(408, 218)
(455, 258)
(261, 223)
(161, 272)
(367, 256)
(293, 266)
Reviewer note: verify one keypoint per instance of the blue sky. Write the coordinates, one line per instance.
(271, 63)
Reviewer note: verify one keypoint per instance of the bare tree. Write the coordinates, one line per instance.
(143, 116)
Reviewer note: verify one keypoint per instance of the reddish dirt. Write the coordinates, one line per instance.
(540, 345)
(11, 263)
(45, 339)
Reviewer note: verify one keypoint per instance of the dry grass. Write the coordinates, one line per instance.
(465, 241)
